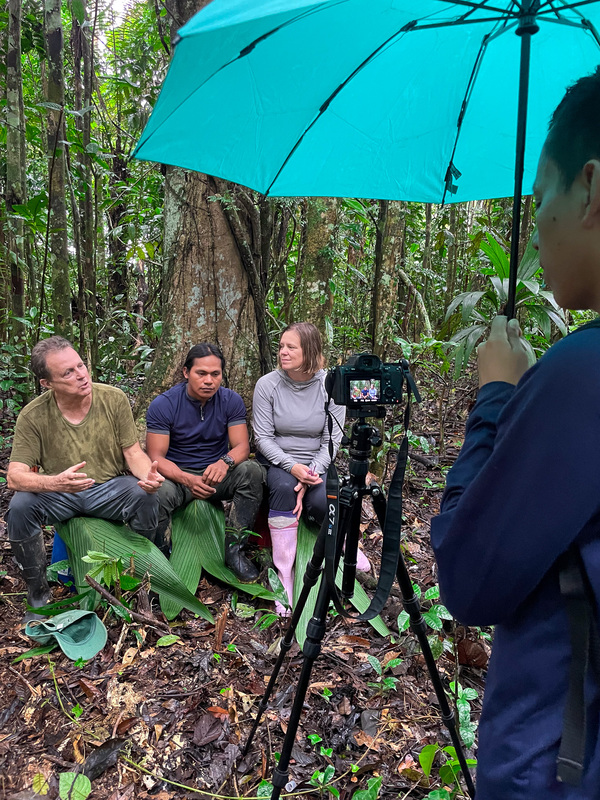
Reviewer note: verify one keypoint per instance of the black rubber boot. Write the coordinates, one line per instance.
(236, 559)
(30, 555)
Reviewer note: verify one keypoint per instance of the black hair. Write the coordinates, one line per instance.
(40, 352)
(574, 131)
(202, 351)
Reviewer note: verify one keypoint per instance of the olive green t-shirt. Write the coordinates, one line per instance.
(44, 437)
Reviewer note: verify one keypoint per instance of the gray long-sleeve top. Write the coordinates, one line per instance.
(289, 421)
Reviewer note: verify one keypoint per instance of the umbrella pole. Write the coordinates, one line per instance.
(527, 27)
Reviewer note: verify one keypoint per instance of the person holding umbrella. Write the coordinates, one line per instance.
(522, 502)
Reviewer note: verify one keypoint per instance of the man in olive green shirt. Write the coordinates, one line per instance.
(75, 425)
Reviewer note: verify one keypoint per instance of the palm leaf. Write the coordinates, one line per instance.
(82, 534)
(307, 536)
(198, 542)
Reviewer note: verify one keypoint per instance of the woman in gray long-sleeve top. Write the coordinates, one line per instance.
(290, 428)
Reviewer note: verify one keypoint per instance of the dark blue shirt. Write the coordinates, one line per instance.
(525, 486)
(198, 434)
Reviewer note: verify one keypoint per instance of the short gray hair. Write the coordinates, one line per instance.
(39, 354)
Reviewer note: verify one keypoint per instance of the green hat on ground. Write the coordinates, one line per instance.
(79, 634)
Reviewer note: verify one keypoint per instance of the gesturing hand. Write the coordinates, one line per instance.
(71, 480)
(153, 480)
(506, 356)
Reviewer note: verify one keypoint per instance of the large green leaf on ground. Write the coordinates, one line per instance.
(198, 542)
(82, 534)
(307, 536)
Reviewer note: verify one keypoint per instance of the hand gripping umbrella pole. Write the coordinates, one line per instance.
(334, 536)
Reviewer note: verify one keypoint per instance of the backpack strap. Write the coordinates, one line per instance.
(585, 652)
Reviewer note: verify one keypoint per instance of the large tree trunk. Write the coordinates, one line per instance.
(313, 300)
(206, 296)
(59, 254)
(15, 177)
(388, 252)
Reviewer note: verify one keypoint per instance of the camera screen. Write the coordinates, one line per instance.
(365, 391)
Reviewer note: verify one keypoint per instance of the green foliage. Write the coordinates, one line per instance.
(192, 552)
(434, 615)
(385, 683)
(463, 697)
(73, 786)
(535, 308)
(84, 534)
(449, 770)
(372, 790)
(322, 781)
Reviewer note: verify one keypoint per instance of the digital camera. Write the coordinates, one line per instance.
(364, 380)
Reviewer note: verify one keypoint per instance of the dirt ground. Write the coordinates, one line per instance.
(146, 721)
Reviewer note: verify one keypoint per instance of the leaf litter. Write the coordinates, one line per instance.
(162, 720)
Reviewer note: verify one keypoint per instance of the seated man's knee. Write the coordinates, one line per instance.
(252, 473)
(25, 515)
(142, 512)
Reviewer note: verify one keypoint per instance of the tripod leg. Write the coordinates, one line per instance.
(413, 608)
(312, 648)
(313, 570)
(315, 632)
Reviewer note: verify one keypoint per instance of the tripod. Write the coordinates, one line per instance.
(351, 494)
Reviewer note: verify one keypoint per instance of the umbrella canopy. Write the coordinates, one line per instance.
(390, 99)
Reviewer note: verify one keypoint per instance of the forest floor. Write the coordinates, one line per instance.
(146, 721)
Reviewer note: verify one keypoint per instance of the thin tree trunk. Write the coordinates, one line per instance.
(314, 300)
(59, 254)
(388, 250)
(15, 177)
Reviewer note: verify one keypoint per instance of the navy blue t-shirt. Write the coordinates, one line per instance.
(198, 435)
(525, 487)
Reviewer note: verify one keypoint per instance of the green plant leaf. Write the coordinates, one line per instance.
(35, 651)
(372, 790)
(307, 536)
(73, 787)
(426, 757)
(198, 542)
(83, 534)
(167, 641)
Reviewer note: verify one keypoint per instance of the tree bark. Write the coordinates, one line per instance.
(206, 294)
(313, 302)
(15, 176)
(388, 252)
(59, 254)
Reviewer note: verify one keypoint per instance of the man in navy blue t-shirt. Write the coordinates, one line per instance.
(197, 433)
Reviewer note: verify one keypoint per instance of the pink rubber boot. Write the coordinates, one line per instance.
(284, 536)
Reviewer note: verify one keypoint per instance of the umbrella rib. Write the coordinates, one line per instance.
(484, 6)
(548, 6)
(451, 171)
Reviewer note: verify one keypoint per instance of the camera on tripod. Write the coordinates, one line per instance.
(364, 380)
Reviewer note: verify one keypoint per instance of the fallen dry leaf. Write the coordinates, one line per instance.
(129, 656)
(363, 739)
(344, 707)
(217, 711)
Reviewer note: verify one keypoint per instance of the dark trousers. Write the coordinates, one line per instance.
(243, 485)
(282, 496)
(118, 500)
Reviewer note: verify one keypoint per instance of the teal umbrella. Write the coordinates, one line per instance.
(422, 100)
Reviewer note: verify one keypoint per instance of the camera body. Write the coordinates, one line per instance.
(364, 380)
